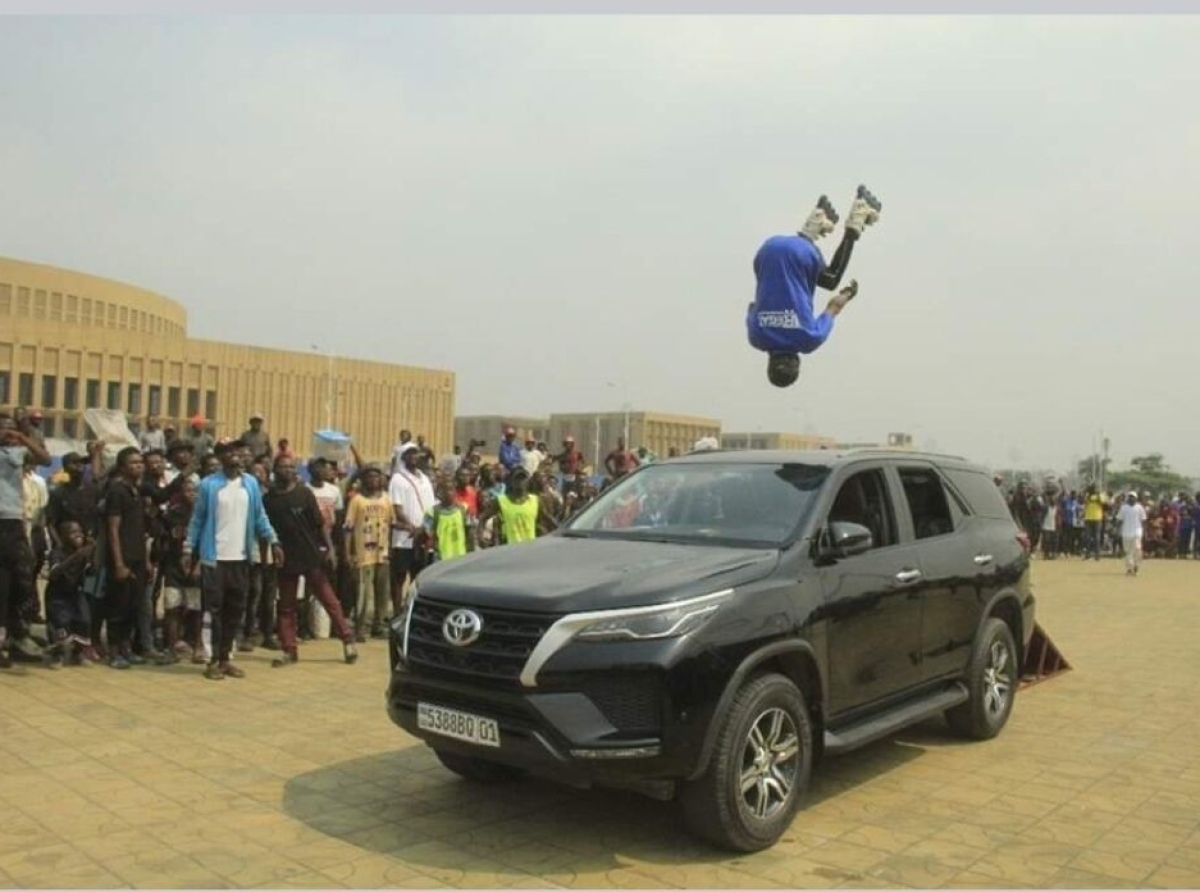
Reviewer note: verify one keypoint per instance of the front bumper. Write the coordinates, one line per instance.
(561, 735)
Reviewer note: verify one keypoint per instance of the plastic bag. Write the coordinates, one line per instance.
(111, 429)
(332, 446)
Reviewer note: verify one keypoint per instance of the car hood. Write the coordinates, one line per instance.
(563, 575)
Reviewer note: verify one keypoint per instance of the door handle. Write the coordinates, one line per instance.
(904, 577)
(983, 559)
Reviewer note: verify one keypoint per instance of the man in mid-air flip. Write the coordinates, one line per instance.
(788, 269)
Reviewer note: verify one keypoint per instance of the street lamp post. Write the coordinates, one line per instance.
(625, 407)
(329, 387)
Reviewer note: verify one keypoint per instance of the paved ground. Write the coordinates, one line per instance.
(157, 777)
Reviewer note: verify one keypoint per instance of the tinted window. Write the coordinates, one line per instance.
(724, 503)
(863, 499)
(927, 502)
(981, 493)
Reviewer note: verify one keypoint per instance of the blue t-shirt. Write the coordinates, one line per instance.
(781, 318)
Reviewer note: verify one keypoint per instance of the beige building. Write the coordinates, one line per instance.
(490, 429)
(894, 441)
(776, 440)
(70, 341)
(596, 433)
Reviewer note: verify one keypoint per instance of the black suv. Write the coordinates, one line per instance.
(711, 624)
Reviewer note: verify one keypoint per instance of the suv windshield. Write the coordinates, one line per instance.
(734, 504)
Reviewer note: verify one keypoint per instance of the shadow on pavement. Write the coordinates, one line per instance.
(404, 803)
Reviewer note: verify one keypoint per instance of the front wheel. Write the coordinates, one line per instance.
(991, 682)
(759, 771)
(479, 770)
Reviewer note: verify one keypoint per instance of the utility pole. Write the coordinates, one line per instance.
(328, 385)
(1104, 442)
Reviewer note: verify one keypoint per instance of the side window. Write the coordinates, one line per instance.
(927, 501)
(863, 499)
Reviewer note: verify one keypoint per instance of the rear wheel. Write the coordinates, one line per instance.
(759, 771)
(992, 683)
(479, 770)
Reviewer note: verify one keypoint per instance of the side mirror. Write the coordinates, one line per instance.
(848, 539)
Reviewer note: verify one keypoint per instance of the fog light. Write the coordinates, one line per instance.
(632, 752)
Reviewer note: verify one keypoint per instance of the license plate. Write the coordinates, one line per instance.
(459, 725)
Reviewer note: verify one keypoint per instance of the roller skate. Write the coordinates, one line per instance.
(864, 211)
(821, 221)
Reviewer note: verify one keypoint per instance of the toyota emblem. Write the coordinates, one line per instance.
(462, 627)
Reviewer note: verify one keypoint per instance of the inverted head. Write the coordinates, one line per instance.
(783, 369)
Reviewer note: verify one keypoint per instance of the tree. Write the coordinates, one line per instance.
(1149, 473)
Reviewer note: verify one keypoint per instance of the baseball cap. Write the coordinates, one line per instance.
(197, 420)
(568, 439)
(257, 416)
(509, 431)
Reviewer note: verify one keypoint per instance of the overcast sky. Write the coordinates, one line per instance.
(563, 210)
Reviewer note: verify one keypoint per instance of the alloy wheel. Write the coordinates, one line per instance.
(770, 762)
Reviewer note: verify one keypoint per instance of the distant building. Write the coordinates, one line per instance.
(776, 440)
(71, 341)
(490, 429)
(596, 433)
(894, 441)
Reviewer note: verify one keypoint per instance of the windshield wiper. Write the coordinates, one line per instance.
(575, 534)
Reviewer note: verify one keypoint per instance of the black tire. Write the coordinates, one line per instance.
(992, 678)
(715, 807)
(479, 770)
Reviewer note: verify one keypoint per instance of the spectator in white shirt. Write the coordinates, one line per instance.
(153, 437)
(532, 457)
(406, 440)
(1132, 518)
(412, 495)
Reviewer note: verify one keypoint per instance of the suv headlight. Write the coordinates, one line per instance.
(665, 621)
(628, 624)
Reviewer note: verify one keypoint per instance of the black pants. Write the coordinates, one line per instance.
(225, 589)
(260, 602)
(17, 594)
(121, 597)
(68, 613)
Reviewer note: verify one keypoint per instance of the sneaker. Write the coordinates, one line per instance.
(182, 649)
(5, 659)
(821, 221)
(864, 211)
(26, 649)
(285, 660)
(271, 643)
(245, 646)
(199, 659)
(378, 633)
(213, 671)
(232, 671)
(360, 638)
(133, 659)
(119, 661)
(349, 654)
(54, 660)
(89, 656)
